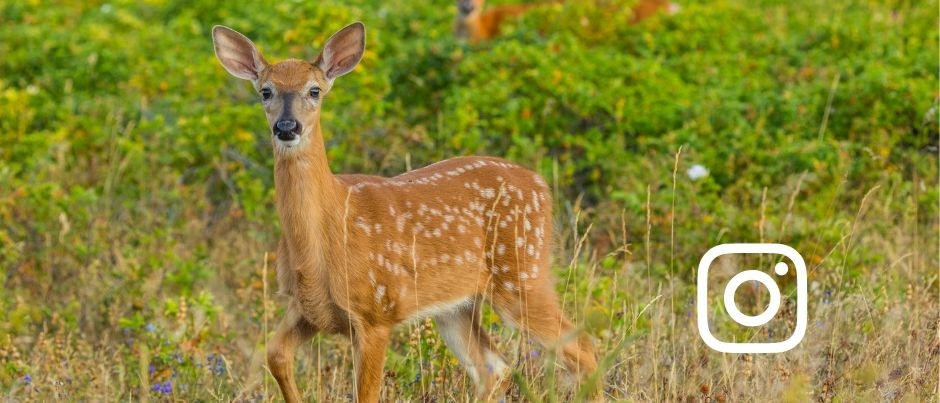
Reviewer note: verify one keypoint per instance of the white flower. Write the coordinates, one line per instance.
(696, 172)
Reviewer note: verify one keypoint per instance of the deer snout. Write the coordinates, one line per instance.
(287, 129)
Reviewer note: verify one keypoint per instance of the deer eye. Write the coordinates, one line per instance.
(266, 94)
(314, 92)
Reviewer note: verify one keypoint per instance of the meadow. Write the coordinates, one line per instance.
(137, 221)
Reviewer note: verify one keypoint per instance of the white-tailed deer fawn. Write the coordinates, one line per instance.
(475, 24)
(359, 254)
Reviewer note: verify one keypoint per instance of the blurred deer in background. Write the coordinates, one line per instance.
(644, 9)
(359, 254)
(476, 24)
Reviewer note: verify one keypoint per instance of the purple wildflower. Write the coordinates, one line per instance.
(28, 379)
(150, 327)
(219, 368)
(165, 388)
(216, 364)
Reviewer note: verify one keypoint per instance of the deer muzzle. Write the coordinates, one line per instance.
(286, 129)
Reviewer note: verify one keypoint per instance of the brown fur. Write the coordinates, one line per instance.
(644, 9)
(481, 25)
(360, 254)
(475, 24)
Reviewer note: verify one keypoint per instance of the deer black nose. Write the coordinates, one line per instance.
(286, 125)
(287, 129)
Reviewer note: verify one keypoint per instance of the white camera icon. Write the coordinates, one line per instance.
(780, 268)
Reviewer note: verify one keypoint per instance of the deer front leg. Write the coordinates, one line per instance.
(370, 343)
(292, 331)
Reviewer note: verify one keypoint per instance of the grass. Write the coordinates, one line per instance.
(872, 338)
(137, 223)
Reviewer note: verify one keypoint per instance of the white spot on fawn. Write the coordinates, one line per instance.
(401, 220)
(470, 257)
(379, 293)
(365, 227)
(539, 181)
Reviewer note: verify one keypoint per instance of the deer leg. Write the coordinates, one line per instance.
(468, 341)
(292, 331)
(369, 344)
(536, 312)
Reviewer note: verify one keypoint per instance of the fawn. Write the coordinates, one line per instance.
(359, 254)
(475, 24)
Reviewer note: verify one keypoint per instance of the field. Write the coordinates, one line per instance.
(137, 221)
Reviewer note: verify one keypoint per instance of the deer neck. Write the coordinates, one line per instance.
(307, 196)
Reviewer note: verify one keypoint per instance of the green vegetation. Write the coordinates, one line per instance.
(136, 202)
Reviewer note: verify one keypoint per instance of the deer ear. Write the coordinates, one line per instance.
(342, 51)
(237, 53)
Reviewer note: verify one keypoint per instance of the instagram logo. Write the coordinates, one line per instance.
(766, 280)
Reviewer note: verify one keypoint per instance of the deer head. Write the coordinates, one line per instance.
(292, 91)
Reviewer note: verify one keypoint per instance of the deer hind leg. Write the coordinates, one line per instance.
(292, 331)
(536, 312)
(467, 340)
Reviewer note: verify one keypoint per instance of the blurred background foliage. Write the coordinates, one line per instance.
(134, 170)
